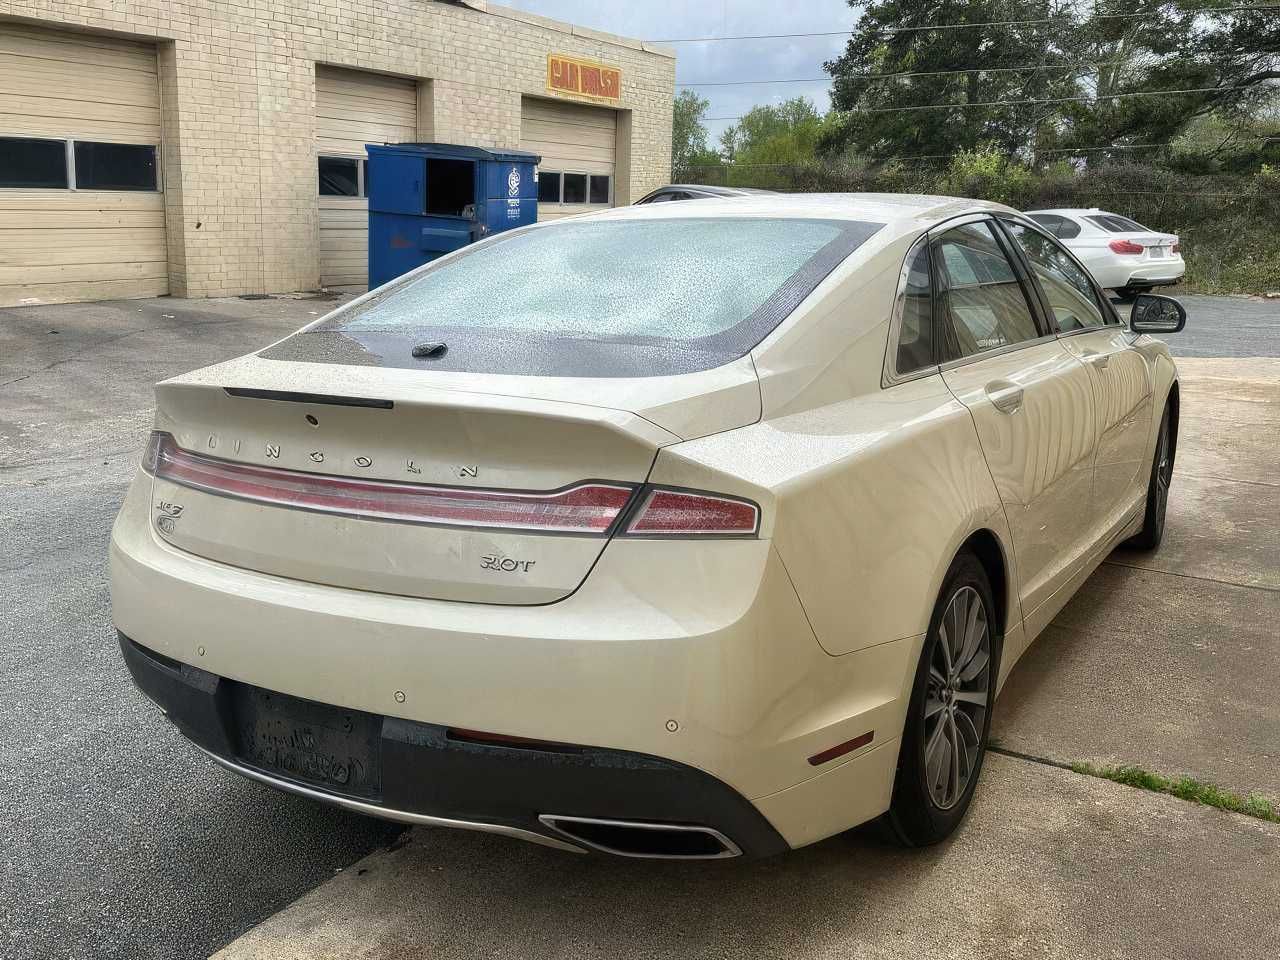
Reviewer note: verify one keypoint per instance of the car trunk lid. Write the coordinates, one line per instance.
(412, 490)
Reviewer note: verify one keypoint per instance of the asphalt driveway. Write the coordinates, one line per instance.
(122, 842)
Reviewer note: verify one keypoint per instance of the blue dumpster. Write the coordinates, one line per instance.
(429, 199)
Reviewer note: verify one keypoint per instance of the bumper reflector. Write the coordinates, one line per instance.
(840, 749)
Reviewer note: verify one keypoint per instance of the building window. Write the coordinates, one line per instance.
(33, 163)
(575, 188)
(340, 176)
(599, 190)
(548, 187)
(114, 166)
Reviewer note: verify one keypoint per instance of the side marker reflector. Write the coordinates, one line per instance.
(840, 749)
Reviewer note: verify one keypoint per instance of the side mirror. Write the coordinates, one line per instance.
(1153, 313)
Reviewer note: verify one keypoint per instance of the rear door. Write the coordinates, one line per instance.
(1031, 401)
(1121, 382)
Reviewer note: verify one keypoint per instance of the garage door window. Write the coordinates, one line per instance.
(599, 189)
(33, 163)
(114, 166)
(575, 188)
(78, 165)
(339, 176)
(548, 187)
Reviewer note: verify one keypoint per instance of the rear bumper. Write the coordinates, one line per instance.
(1161, 273)
(532, 792)
(701, 656)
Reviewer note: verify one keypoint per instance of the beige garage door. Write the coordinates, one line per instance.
(576, 144)
(81, 212)
(354, 108)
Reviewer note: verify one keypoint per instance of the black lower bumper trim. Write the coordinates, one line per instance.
(423, 771)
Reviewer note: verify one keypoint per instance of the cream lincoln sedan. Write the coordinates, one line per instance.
(687, 530)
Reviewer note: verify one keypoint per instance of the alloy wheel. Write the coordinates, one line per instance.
(956, 697)
(1164, 472)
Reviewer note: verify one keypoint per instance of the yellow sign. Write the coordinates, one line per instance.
(583, 78)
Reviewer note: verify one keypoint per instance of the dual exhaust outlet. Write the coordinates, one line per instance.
(636, 838)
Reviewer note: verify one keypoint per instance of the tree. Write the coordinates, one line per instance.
(1098, 71)
(1230, 59)
(871, 119)
(786, 133)
(688, 134)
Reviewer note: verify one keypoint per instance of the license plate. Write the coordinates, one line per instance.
(313, 743)
(1158, 252)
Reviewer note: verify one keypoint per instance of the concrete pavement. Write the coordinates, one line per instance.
(1049, 865)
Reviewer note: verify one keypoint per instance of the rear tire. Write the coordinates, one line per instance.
(1126, 294)
(945, 738)
(1152, 532)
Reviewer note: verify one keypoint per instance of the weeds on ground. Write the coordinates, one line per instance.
(1186, 788)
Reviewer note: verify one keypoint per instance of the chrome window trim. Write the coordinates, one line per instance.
(889, 375)
(997, 352)
(388, 813)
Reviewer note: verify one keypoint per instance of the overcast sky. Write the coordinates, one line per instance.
(728, 60)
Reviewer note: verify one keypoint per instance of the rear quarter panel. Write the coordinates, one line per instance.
(867, 501)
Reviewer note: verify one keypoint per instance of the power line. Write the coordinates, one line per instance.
(966, 26)
(914, 73)
(1016, 103)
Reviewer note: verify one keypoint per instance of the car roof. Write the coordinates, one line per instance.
(885, 208)
(1078, 212)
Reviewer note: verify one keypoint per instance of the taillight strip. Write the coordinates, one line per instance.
(587, 508)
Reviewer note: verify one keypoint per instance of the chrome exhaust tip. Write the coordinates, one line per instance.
(650, 841)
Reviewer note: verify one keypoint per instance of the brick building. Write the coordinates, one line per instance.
(213, 147)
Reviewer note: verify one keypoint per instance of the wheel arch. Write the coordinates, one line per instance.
(1173, 405)
(986, 546)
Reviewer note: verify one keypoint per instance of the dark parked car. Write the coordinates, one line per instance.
(693, 191)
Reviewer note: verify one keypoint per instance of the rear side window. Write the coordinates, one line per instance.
(983, 303)
(1069, 292)
(1115, 224)
(595, 298)
(915, 306)
(1063, 227)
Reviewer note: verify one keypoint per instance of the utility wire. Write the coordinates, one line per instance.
(968, 26)
(1015, 103)
(918, 73)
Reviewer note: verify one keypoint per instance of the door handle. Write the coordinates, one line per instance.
(1099, 360)
(1004, 396)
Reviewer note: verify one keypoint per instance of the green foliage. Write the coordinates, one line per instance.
(688, 133)
(1186, 788)
(987, 174)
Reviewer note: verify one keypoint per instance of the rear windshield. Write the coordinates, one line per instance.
(593, 298)
(1113, 223)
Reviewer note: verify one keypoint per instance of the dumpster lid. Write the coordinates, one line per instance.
(455, 151)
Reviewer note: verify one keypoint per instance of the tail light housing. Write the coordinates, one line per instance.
(666, 512)
(589, 508)
(1177, 247)
(1126, 246)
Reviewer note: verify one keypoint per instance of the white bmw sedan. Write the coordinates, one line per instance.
(681, 530)
(1121, 253)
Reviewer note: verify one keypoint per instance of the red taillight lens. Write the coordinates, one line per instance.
(671, 513)
(590, 508)
(1126, 246)
(1177, 247)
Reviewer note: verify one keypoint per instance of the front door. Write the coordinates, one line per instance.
(1031, 402)
(1121, 381)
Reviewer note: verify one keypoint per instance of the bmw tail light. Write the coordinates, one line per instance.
(681, 513)
(588, 508)
(1177, 247)
(1126, 246)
